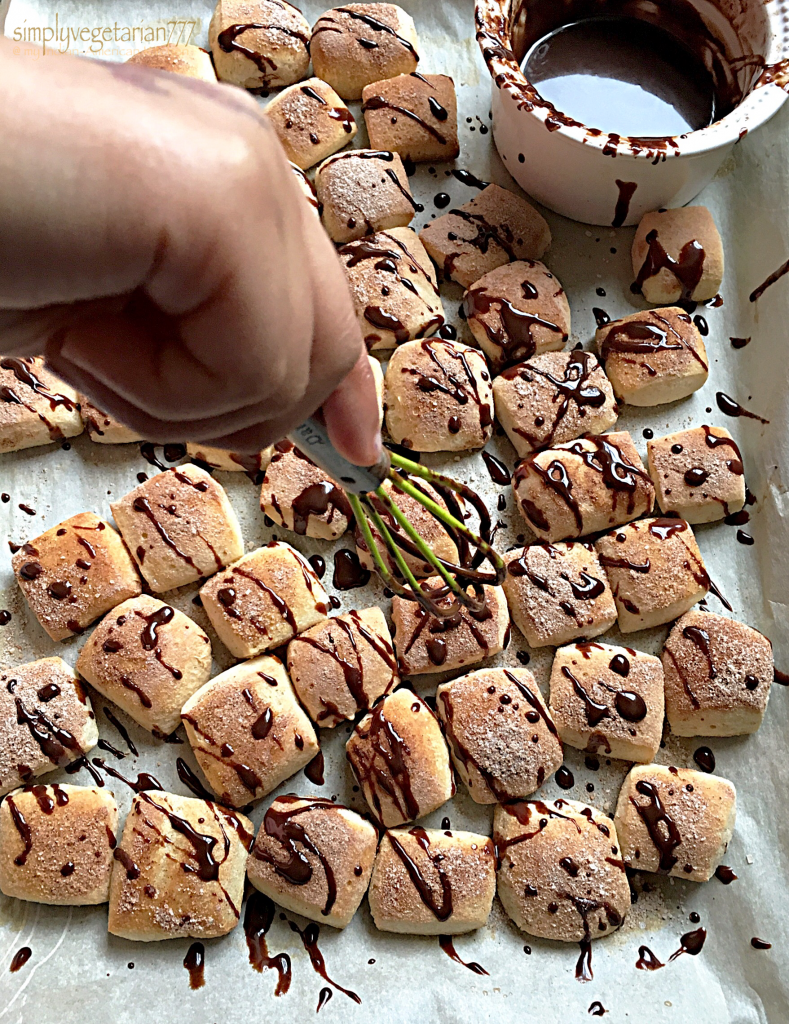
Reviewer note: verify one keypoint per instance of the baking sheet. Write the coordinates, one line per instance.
(78, 972)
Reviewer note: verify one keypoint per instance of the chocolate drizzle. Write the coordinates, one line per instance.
(647, 338)
(442, 909)
(258, 918)
(382, 764)
(647, 961)
(514, 337)
(690, 942)
(379, 103)
(309, 937)
(194, 962)
(228, 41)
(687, 269)
(660, 825)
(20, 958)
(448, 946)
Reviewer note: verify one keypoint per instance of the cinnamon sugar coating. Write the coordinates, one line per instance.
(311, 122)
(188, 60)
(36, 407)
(259, 44)
(300, 496)
(678, 254)
(363, 191)
(414, 115)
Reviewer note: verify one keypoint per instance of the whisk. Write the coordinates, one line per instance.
(368, 498)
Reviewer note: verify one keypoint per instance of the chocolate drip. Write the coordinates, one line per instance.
(728, 406)
(325, 993)
(141, 504)
(626, 192)
(704, 758)
(417, 207)
(645, 337)
(144, 780)
(757, 943)
(515, 334)
(23, 829)
(450, 384)
(631, 706)
(161, 617)
(688, 269)
(258, 918)
(20, 958)
(595, 711)
(373, 23)
(129, 684)
(446, 943)
(497, 471)
(280, 605)
(191, 781)
(532, 700)
(194, 962)
(202, 845)
(314, 770)
(467, 178)
(443, 910)
(132, 870)
(48, 692)
(52, 740)
(701, 639)
(379, 103)
(725, 874)
(758, 292)
(349, 573)
(564, 777)
(228, 41)
(309, 937)
(647, 961)
(620, 665)
(22, 370)
(690, 942)
(393, 777)
(654, 815)
(121, 729)
(384, 321)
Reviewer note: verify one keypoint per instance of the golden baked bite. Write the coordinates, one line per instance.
(56, 844)
(677, 256)
(311, 122)
(428, 882)
(266, 598)
(148, 658)
(560, 872)
(248, 731)
(46, 720)
(357, 44)
(363, 191)
(501, 736)
(415, 115)
(36, 407)
(400, 759)
(698, 474)
(393, 287)
(301, 497)
(438, 396)
(74, 573)
(259, 44)
(655, 570)
(608, 700)
(179, 526)
(557, 593)
(343, 665)
(517, 311)
(314, 857)
(191, 61)
(490, 230)
(179, 869)
(583, 486)
(232, 462)
(718, 676)
(553, 398)
(426, 643)
(103, 428)
(653, 357)
(675, 821)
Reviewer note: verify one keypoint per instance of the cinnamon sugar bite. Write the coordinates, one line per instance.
(301, 497)
(259, 44)
(191, 61)
(415, 115)
(677, 255)
(103, 428)
(363, 191)
(311, 122)
(36, 407)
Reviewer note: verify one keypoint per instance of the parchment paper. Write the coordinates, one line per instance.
(79, 973)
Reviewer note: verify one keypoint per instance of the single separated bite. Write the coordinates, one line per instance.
(677, 255)
(36, 407)
(413, 115)
(583, 487)
(655, 570)
(311, 122)
(675, 821)
(56, 844)
(259, 44)
(148, 658)
(427, 882)
(517, 311)
(560, 872)
(248, 731)
(74, 573)
(179, 869)
(343, 665)
(490, 230)
(314, 857)
(501, 736)
(557, 593)
(608, 699)
(718, 676)
(266, 598)
(46, 720)
(400, 759)
(232, 462)
(553, 398)
(103, 428)
(427, 643)
(438, 397)
(179, 526)
(698, 473)
(301, 497)
(191, 61)
(653, 357)
(363, 191)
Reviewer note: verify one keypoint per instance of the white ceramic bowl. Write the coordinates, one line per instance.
(586, 174)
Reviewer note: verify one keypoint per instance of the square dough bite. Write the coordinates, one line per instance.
(490, 230)
(343, 665)
(363, 191)
(653, 357)
(103, 428)
(148, 658)
(232, 462)
(179, 526)
(311, 122)
(415, 115)
(390, 311)
(36, 407)
(655, 570)
(74, 573)
(553, 398)
(400, 759)
(191, 61)
(438, 396)
(426, 643)
(608, 699)
(718, 676)
(560, 873)
(501, 736)
(517, 311)
(266, 598)
(428, 882)
(358, 44)
(179, 869)
(313, 857)
(46, 720)
(675, 821)
(698, 473)
(259, 44)
(56, 844)
(301, 497)
(677, 255)
(557, 593)
(248, 731)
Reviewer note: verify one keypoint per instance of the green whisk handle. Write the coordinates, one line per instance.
(311, 437)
